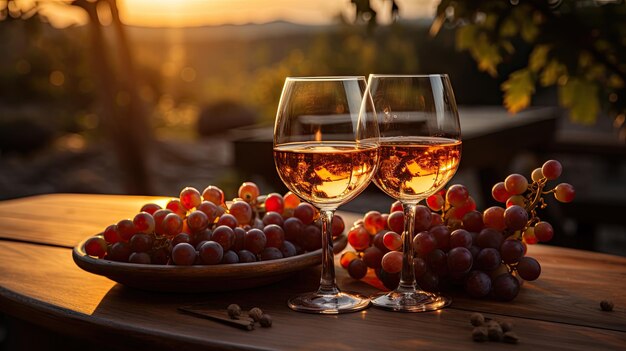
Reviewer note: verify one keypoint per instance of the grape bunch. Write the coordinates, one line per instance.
(457, 246)
(201, 229)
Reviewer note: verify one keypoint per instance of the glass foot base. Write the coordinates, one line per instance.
(315, 302)
(412, 301)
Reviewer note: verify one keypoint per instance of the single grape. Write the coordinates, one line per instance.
(389, 280)
(428, 281)
(225, 236)
(126, 227)
(536, 175)
(311, 238)
(346, 258)
(378, 241)
(273, 218)
(293, 228)
(209, 209)
(172, 224)
(424, 243)
(288, 249)
(529, 236)
(177, 207)
(291, 200)
(181, 238)
(357, 269)
(372, 257)
(392, 241)
(359, 238)
(305, 212)
(516, 184)
(516, 200)
(150, 208)
(213, 194)
(457, 194)
(197, 221)
(505, 287)
(96, 246)
(499, 193)
(270, 253)
(544, 231)
(120, 251)
(551, 169)
(473, 221)
(274, 202)
(228, 220)
(528, 268)
(230, 257)
(511, 251)
(210, 252)
(190, 198)
(396, 206)
(242, 212)
(246, 256)
(392, 262)
(489, 237)
(493, 217)
(184, 254)
(515, 217)
(248, 191)
(461, 238)
(140, 242)
(435, 202)
(254, 241)
(337, 226)
(488, 259)
(373, 222)
(477, 284)
(469, 205)
(474, 250)
(438, 262)
(423, 218)
(441, 233)
(435, 219)
(275, 235)
(112, 234)
(395, 221)
(139, 258)
(564, 192)
(459, 260)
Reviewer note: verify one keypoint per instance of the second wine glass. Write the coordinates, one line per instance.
(420, 150)
(326, 151)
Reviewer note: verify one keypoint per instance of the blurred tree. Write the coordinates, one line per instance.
(124, 118)
(576, 45)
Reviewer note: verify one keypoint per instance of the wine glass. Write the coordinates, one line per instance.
(326, 152)
(420, 150)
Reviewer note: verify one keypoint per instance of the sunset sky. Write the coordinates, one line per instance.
(177, 13)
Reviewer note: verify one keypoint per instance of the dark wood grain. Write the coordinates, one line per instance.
(56, 290)
(41, 284)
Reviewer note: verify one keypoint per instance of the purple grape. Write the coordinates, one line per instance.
(140, 242)
(429, 281)
(372, 257)
(230, 257)
(275, 235)
(246, 256)
(184, 254)
(389, 280)
(473, 221)
(211, 252)
(461, 238)
(488, 259)
(420, 266)
(225, 236)
(204, 235)
(515, 217)
(311, 238)
(120, 252)
(511, 251)
(459, 260)
(423, 218)
(441, 233)
(254, 241)
(293, 228)
(139, 257)
(273, 218)
(528, 268)
(270, 253)
(240, 233)
(438, 262)
(477, 284)
(181, 238)
(357, 268)
(505, 287)
(489, 237)
(288, 249)
(378, 241)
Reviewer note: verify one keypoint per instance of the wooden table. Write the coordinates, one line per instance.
(40, 284)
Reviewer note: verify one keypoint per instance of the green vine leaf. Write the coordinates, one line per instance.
(581, 97)
(518, 89)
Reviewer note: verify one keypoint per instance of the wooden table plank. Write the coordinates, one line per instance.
(56, 290)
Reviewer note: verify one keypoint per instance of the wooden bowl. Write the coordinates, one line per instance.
(200, 278)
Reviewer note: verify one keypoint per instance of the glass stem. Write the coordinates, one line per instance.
(407, 275)
(328, 285)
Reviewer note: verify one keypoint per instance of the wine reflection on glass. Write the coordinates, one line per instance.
(420, 151)
(326, 152)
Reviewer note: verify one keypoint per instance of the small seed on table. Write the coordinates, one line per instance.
(606, 305)
(479, 334)
(477, 319)
(255, 314)
(266, 321)
(234, 311)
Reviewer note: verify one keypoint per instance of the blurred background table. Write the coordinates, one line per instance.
(51, 303)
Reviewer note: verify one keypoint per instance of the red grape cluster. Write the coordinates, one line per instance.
(200, 228)
(457, 246)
